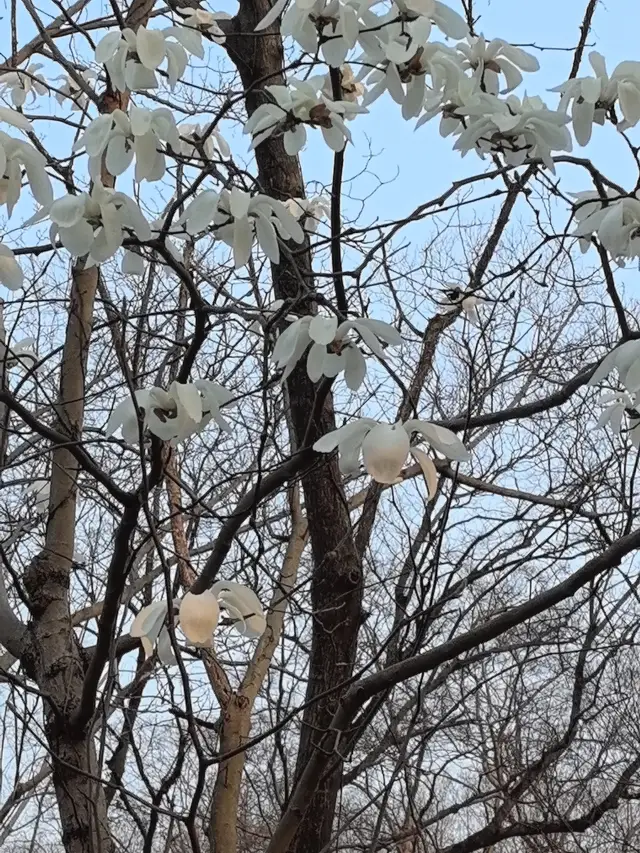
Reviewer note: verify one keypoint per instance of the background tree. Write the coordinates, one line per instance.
(220, 634)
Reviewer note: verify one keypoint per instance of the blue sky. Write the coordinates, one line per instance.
(417, 165)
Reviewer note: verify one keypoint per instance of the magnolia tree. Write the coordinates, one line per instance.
(314, 537)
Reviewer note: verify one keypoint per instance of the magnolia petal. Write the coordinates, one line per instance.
(428, 469)
(330, 440)
(322, 330)
(242, 602)
(242, 242)
(384, 450)
(11, 274)
(199, 616)
(150, 46)
(68, 210)
(78, 239)
(441, 439)
(315, 361)
(132, 264)
(267, 238)
(355, 368)
(144, 625)
(107, 46)
(273, 13)
(189, 397)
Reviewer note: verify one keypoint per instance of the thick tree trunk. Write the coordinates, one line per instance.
(336, 586)
(58, 666)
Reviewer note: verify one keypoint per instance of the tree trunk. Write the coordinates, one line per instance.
(336, 585)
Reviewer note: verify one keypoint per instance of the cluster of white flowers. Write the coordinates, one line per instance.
(385, 447)
(133, 58)
(171, 415)
(334, 348)
(615, 219)
(302, 104)
(238, 218)
(592, 98)
(22, 83)
(94, 224)
(621, 405)
(120, 137)
(72, 91)
(198, 617)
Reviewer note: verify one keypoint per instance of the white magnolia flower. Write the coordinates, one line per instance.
(626, 360)
(121, 137)
(620, 409)
(310, 211)
(352, 90)
(406, 81)
(520, 130)
(200, 21)
(616, 222)
(467, 302)
(242, 605)
(94, 224)
(11, 274)
(385, 447)
(343, 354)
(149, 626)
(70, 90)
(21, 84)
(197, 139)
(14, 156)
(239, 218)
(490, 60)
(590, 98)
(40, 490)
(171, 415)
(132, 58)
(198, 616)
(297, 105)
(626, 76)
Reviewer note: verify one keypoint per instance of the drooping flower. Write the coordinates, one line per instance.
(296, 106)
(352, 89)
(240, 218)
(310, 211)
(121, 137)
(15, 155)
(590, 98)
(321, 332)
(132, 58)
(520, 130)
(171, 415)
(626, 76)
(404, 75)
(385, 447)
(615, 219)
(490, 60)
(626, 360)
(198, 617)
(94, 224)
(71, 90)
(25, 82)
(195, 23)
(467, 302)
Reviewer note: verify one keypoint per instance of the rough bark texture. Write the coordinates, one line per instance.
(336, 586)
(55, 658)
